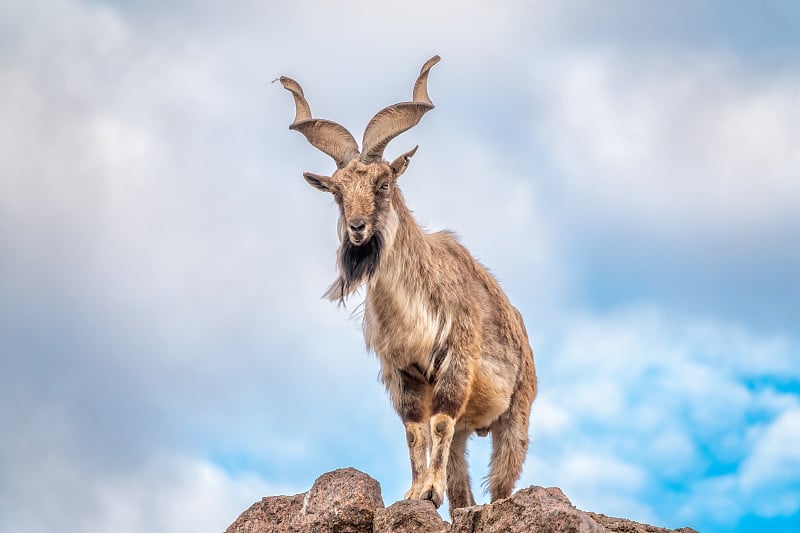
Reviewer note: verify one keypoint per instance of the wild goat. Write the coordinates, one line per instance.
(454, 353)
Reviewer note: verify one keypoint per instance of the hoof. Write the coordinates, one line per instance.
(413, 492)
(433, 496)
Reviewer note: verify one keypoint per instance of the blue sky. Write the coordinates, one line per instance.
(630, 172)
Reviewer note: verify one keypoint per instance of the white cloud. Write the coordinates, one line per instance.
(471, 188)
(552, 419)
(148, 175)
(172, 494)
(770, 471)
(672, 143)
(764, 483)
(588, 475)
(593, 479)
(634, 403)
(677, 445)
(175, 494)
(57, 478)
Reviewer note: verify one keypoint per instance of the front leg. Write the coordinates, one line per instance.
(442, 430)
(418, 438)
(412, 401)
(450, 395)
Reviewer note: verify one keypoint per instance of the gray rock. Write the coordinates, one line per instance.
(342, 501)
(534, 510)
(410, 516)
(622, 525)
(349, 501)
(271, 514)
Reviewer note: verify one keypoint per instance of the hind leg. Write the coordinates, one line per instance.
(458, 488)
(509, 447)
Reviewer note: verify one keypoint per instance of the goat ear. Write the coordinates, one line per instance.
(323, 183)
(400, 164)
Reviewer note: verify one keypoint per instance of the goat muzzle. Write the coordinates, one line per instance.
(358, 229)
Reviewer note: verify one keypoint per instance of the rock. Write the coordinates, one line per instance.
(535, 509)
(621, 525)
(342, 501)
(274, 513)
(349, 501)
(410, 516)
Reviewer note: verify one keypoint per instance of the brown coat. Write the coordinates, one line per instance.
(454, 353)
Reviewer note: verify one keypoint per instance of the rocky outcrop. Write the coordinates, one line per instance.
(409, 516)
(532, 509)
(620, 525)
(342, 501)
(349, 501)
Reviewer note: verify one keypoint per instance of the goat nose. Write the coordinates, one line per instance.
(357, 223)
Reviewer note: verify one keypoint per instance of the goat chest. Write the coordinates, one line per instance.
(403, 327)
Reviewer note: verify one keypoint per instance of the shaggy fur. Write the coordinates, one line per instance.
(356, 265)
(454, 353)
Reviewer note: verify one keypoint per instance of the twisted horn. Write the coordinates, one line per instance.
(391, 121)
(326, 135)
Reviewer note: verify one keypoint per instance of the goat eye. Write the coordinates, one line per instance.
(384, 186)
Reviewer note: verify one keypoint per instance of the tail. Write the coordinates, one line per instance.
(510, 435)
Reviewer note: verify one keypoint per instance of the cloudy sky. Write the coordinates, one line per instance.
(629, 171)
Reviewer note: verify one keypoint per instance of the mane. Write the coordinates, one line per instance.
(356, 265)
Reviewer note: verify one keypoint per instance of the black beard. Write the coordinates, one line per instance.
(360, 262)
